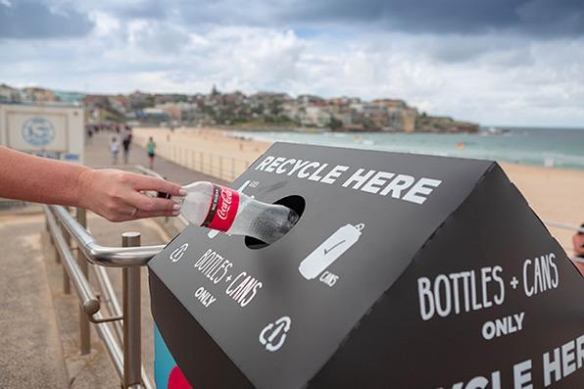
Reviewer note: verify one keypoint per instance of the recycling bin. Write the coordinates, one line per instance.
(403, 271)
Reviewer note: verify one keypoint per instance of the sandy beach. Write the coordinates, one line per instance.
(556, 195)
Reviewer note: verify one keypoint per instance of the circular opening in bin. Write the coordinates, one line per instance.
(293, 202)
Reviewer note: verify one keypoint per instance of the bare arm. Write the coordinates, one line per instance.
(113, 194)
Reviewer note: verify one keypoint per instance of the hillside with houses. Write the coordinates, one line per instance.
(263, 110)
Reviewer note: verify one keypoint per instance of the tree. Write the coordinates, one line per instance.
(335, 123)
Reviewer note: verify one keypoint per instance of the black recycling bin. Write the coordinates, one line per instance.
(403, 271)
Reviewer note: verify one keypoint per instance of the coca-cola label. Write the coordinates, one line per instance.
(223, 208)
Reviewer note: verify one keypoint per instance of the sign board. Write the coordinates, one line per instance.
(403, 271)
(51, 131)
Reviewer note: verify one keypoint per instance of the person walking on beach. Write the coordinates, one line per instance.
(126, 144)
(115, 150)
(578, 247)
(150, 147)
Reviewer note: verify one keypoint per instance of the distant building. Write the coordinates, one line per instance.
(266, 99)
(9, 94)
(95, 101)
(69, 97)
(390, 103)
(338, 113)
(408, 119)
(344, 101)
(41, 94)
(315, 116)
(119, 103)
(153, 115)
(235, 98)
(307, 100)
(138, 100)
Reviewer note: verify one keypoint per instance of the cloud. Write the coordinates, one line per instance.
(494, 62)
(134, 9)
(552, 18)
(36, 20)
(158, 38)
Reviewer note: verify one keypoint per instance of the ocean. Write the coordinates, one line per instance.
(550, 147)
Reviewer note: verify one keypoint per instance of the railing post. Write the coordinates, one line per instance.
(132, 327)
(232, 169)
(221, 168)
(84, 331)
(66, 281)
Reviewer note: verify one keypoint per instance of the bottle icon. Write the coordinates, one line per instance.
(224, 209)
(330, 250)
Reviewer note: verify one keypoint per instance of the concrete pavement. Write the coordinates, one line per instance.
(30, 350)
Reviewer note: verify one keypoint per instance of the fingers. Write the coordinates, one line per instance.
(156, 184)
(146, 214)
(124, 212)
(151, 205)
(136, 213)
(137, 204)
(117, 195)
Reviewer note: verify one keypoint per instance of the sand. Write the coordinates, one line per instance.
(556, 195)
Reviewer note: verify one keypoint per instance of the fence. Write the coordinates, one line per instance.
(118, 328)
(222, 166)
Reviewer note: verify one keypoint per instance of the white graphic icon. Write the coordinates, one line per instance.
(38, 131)
(213, 233)
(330, 250)
(273, 335)
(179, 252)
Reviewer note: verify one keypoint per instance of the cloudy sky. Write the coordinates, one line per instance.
(496, 62)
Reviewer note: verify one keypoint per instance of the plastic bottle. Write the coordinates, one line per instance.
(224, 209)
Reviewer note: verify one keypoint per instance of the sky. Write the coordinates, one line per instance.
(493, 62)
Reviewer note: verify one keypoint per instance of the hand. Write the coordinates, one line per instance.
(117, 195)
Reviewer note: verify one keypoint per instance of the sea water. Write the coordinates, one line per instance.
(551, 147)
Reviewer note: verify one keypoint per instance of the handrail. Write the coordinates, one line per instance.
(564, 226)
(126, 358)
(89, 302)
(103, 255)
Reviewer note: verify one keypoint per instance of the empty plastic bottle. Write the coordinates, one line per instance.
(224, 209)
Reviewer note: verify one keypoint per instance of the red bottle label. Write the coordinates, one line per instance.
(223, 208)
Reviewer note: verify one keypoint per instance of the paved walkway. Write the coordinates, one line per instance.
(39, 341)
(97, 155)
(30, 351)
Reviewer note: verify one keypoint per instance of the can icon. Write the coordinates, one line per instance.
(330, 250)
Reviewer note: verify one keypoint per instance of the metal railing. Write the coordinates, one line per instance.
(122, 340)
(222, 166)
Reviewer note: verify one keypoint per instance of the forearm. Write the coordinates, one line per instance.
(41, 180)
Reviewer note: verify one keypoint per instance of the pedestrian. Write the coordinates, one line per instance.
(126, 144)
(89, 128)
(115, 150)
(150, 147)
(578, 248)
(114, 194)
